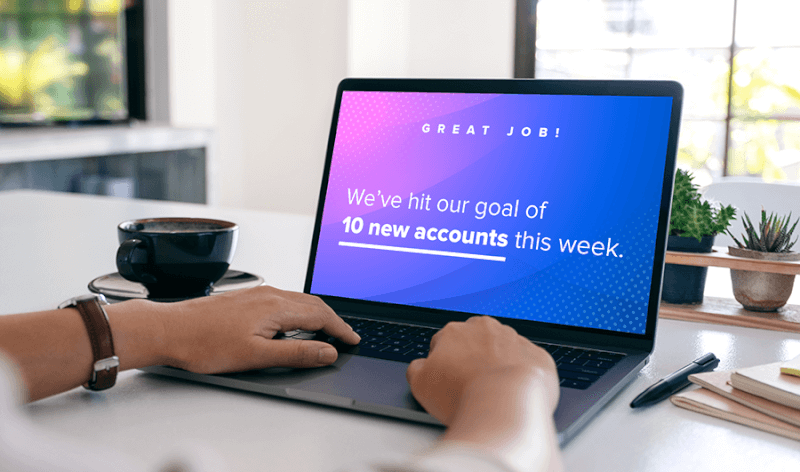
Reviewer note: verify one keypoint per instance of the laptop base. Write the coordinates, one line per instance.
(379, 387)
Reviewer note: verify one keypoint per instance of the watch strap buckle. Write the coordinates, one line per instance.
(104, 365)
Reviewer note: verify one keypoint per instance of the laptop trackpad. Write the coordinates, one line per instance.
(350, 379)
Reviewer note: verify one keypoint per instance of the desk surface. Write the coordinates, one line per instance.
(52, 245)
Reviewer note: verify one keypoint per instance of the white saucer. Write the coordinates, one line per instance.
(117, 289)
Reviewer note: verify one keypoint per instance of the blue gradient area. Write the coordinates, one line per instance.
(601, 180)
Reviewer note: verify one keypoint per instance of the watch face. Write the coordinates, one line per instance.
(81, 298)
(92, 296)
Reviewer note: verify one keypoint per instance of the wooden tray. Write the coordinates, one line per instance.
(720, 258)
(728, 311)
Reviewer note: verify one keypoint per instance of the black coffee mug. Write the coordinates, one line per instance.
(175, 257)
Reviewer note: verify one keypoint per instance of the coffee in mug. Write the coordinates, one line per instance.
(175, 257)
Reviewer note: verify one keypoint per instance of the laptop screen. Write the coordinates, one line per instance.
(518, 206)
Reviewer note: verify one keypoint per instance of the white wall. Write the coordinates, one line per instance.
(263, 75)
(431, 38)
(278, 92)
(378, 38)
(192, 62)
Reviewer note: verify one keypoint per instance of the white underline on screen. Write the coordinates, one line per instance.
(463, 255)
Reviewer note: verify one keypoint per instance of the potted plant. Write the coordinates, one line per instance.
(763, 291)
(692, 226)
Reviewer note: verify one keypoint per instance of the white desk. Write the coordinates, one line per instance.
(52, 245)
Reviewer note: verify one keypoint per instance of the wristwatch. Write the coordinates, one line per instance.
(106, 364)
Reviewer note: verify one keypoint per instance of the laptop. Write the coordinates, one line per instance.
(542, 203)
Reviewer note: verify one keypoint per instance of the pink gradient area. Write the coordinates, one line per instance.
(362, 112)
(380, 145)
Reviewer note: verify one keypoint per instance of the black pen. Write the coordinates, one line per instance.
(676, 381)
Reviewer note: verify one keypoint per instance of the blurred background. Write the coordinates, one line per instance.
(737, 61)
(61, 60)
(260, 76)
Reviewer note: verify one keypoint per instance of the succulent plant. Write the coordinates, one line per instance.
(691, 215)
(773, 235)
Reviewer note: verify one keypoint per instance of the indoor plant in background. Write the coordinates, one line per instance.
(693, 224)
(762, 291)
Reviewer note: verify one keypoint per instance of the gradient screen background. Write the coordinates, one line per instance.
(568, 204)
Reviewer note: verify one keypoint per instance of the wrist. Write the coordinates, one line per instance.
(138, 332)
(509, 414)
(514, 384)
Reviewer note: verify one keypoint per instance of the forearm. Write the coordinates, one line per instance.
(53, 351)
(232, 332)
(509, 416)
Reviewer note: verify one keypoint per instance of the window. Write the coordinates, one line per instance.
(737, 61)
(61, 60)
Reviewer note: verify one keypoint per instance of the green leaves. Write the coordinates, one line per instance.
(724, 217)
(773, 235)
(691, 215)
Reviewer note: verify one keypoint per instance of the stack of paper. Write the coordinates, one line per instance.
(762, 397)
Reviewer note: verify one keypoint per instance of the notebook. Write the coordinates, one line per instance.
(711, 404)
(719, 383)
(768, 382)
(543, 203)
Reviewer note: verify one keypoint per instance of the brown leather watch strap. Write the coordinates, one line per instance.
(105, 364)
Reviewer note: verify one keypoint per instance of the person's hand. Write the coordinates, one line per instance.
(233, 331)
(494, 390)
(478, 350)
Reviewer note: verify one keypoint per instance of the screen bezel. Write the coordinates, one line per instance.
(563, 333)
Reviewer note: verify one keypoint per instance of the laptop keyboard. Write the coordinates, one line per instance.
(577, 368)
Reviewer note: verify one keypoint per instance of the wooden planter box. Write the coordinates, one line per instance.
(727, 310)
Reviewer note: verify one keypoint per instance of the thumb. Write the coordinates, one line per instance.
(297, 353)
(414, 368)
